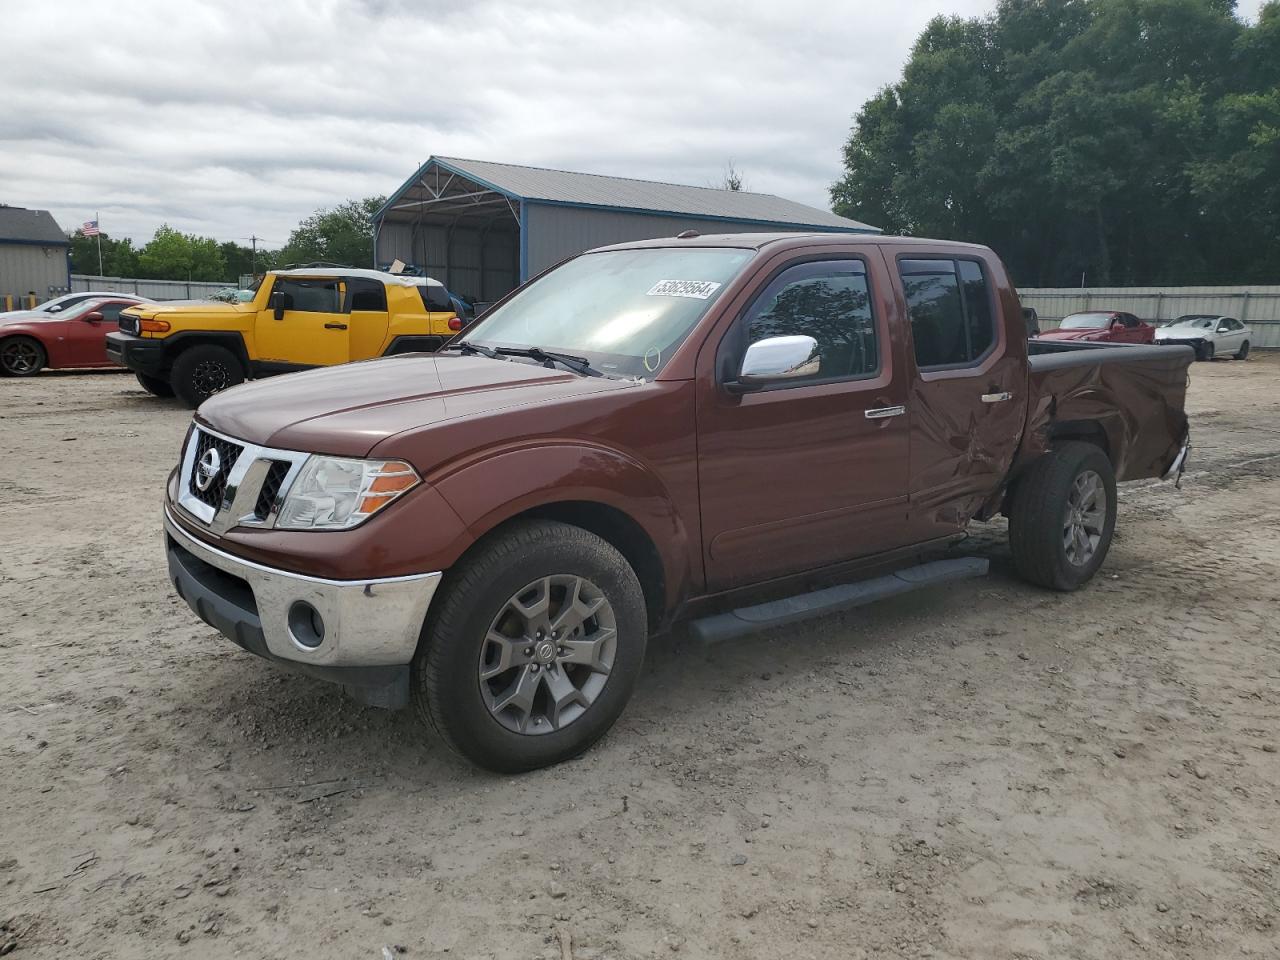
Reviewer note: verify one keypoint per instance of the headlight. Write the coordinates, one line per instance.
(335, 494)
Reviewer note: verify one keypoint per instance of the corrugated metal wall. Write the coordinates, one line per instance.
(1257, 306)
(557, 232)
(155, 289)
(457, 261)
(29, 268)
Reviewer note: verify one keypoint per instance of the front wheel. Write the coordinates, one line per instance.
(22, 356)
(1063, 516)
(203, 370)
(1243, 352)
(156, 386)
(533, 647)
(1204, 351)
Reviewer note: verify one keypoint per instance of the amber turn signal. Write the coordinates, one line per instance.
(154, 326)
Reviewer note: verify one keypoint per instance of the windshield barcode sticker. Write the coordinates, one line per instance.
(695, 289)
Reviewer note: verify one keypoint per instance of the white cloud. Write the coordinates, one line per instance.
(232, 118)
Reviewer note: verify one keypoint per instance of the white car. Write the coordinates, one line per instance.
(1211, 335)
(58, 304)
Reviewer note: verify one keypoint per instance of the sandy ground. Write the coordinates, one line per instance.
(983, 771)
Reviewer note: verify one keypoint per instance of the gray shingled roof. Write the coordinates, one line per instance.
(563, 186)
(30, 226)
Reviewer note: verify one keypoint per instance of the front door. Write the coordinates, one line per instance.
(313, 331)
(966, 406)
(806, 472)
(86, 340)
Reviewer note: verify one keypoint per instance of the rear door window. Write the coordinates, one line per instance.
(366, 295)
(949, 304)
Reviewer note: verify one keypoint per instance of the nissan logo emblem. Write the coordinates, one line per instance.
(207, 469)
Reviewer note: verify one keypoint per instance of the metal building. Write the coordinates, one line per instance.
(35, 255)
(483, 228)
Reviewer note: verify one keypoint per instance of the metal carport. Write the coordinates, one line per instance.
(483, 228)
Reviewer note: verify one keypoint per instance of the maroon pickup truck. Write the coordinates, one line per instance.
(731, 431)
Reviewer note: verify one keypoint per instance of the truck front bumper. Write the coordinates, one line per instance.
(359, 633)
(136, 353)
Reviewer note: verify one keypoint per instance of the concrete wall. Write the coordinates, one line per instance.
(155, 289)
(26, 267)
(1257, 306)
(472, 261)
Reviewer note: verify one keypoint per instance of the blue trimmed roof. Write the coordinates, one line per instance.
(542, 185)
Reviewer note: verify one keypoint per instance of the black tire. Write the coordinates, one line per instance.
(1243, 352)
(447, 684)
(156, 386)
(1040, 519)
(203, 370)
(1204, 351)
(22, 356)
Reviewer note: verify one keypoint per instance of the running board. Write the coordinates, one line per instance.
(845, 596)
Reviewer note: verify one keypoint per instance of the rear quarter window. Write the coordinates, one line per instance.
(435, 299)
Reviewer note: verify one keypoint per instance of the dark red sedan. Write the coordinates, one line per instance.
(74, 337)
(1107, 326)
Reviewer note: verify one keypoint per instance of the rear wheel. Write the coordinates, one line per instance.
(532, 649)
(156, 386)
(1063, 516)
(203, 370)
(22, 356)
(1243, 352)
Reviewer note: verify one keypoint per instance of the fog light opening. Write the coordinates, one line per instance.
(305, 624)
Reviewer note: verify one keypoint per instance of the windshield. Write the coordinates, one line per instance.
(77, 309)
(625, 311)
(1086, 321)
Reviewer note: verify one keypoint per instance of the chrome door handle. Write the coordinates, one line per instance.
(879, 413)
(996, 397)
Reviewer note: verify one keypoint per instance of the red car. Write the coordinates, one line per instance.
(1105, 326)
(75, 337)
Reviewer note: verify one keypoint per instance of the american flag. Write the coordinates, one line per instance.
(90, 228)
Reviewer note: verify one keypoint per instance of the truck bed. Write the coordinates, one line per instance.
(1133, 394)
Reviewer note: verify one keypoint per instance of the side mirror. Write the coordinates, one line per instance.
(1223, 330)
(277, 303)
(94, 316)
(778, 359)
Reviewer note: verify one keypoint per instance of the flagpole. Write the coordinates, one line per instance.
(98, 221)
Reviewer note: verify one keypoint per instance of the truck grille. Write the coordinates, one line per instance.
(271, 488)
(226, 455)
(128, 324)
(242, 481)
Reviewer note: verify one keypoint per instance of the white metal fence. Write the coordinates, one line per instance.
(155, 289)
(1257, 306)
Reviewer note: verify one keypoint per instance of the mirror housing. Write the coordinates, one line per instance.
(277, 303)
(93, 316)
(776, 360)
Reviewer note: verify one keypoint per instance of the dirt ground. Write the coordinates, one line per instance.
(983, 771)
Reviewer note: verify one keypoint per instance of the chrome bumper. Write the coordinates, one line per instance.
(366, 623)
(1179, 463)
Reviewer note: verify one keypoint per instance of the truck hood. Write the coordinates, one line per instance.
(348, 410)
(1061, 334)
(203, 307)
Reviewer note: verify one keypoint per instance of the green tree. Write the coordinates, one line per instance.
(171, 255)
(241, 260)
(119, 258)
(1125, 141)
(342, 235)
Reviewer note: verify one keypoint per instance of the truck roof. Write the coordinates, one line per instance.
(757, 241)
(381, 276)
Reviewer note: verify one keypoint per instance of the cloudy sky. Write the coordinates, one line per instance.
(231, 118)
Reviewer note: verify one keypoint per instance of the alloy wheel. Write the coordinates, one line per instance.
(210, 376)
(1086, 515)
(19, 358)
(548, 654)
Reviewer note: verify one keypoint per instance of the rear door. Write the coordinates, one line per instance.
(367, 313)
(807, 472)
(965, 405)
(314, 328)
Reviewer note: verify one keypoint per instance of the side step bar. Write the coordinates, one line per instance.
(845, 596)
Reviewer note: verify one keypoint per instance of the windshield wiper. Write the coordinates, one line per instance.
(467, 347)
(579, 364)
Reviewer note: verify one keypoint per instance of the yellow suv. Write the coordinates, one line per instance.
(297, 319)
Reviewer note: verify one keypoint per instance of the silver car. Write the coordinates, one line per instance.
(1211, 335)
(68, 300)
